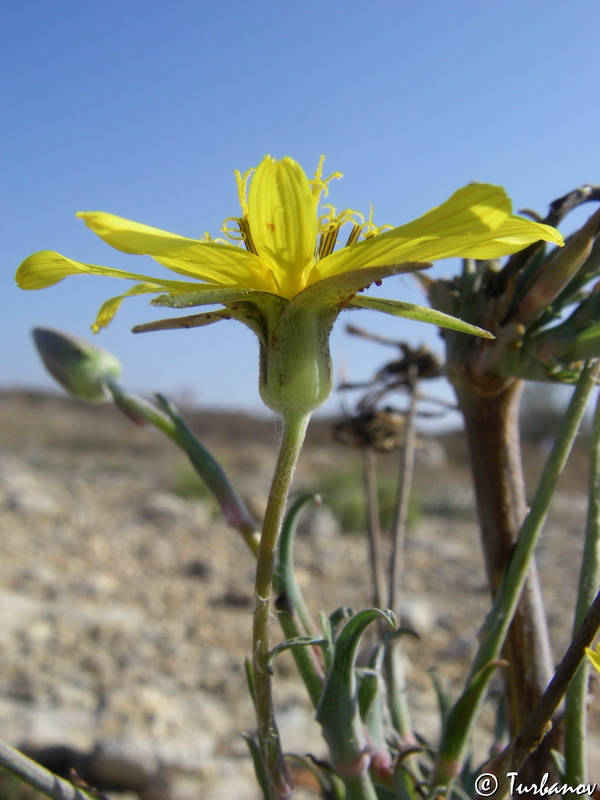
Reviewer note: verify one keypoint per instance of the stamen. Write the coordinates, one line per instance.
(234, 234)
(319, 169)
(348, 215)
(326, 219)
(369, 229)
(354, 234)
(328, 240)
(330, 221)
(241, 180)
(319, 184)
(329, 224)
(244, 227)
(208, 238)
(333, 218)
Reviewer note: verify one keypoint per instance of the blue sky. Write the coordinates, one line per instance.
(145, 109)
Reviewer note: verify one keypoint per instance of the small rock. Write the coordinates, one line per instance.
(431, 454)
(164, 507)
(417, 613)
(24, 492)
(319, 522)
(300, 733)
(17, 612)
(197, 569)
(98, 584)
(32, 501)
(233, 599)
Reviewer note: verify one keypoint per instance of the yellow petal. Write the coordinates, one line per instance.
(283, 222)
(213, 262)
(594, 656)
(46, 268)
(513, 235)
(109, 308)
(474, 222)
(475, 208)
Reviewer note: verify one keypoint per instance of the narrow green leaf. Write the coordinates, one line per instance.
(291, 644)
(442, 694)
(338, 712)
(285, 575)
(211, 472)
(398, 308)
(332, 788)
(259, 767)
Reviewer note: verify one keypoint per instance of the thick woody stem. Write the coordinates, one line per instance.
(492, 431)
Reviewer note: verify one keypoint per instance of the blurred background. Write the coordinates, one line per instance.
(145, 109)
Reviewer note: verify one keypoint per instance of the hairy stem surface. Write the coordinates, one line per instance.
(292, 438)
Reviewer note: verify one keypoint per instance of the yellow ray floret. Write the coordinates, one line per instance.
(287, 243)
(594, 656)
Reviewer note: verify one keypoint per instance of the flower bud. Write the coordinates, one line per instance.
(80, 368)
(556, 273)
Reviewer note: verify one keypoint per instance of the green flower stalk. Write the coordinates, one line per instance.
(279, 271)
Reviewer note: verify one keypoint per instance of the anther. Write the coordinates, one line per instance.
(246, 235)
(328, 241)
(354, 234)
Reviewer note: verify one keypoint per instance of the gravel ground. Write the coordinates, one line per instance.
(125, 603)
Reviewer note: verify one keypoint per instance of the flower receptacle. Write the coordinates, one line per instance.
(296, 375)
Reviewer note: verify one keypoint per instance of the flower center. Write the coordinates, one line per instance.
(328, 221)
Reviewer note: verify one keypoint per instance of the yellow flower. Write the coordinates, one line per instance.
(288, 281)
(594, 656)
